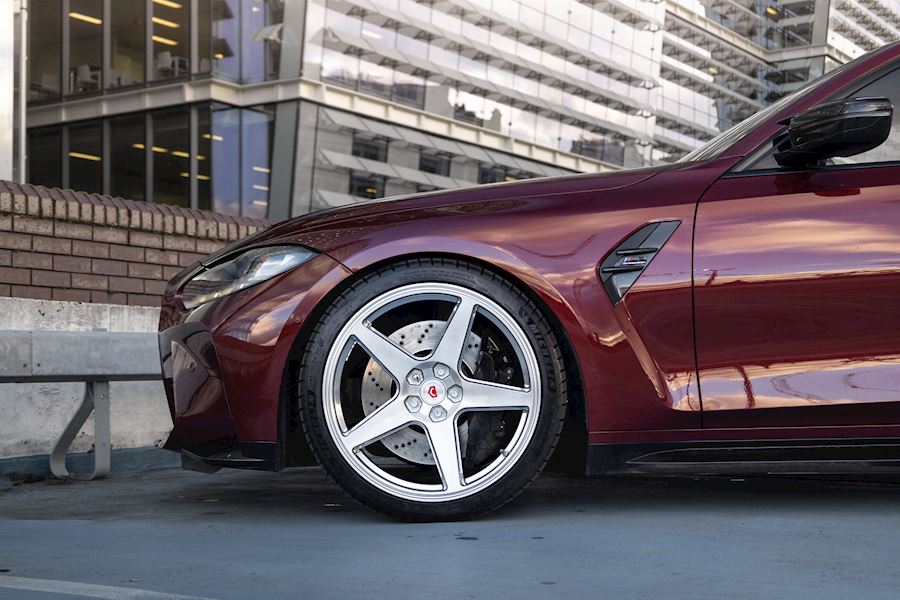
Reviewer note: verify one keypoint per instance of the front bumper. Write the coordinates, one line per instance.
(224, 366)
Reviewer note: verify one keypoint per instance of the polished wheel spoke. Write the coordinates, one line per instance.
(445, 447)
(390, 417)
(491, 396)
(391, 356)
(456, 332)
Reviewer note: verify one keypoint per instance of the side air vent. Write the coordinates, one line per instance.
(621, 268)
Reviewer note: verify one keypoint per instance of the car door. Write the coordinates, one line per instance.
(797, 290)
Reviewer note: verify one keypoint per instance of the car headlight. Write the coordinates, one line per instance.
(239, 273)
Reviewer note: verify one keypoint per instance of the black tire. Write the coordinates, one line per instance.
(523, 310)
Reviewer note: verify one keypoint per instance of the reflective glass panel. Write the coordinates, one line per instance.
(367, 146)
(171, 153)
(262, 38)
(204, 162)
(409, 89)
(434, 162)
(226, 38)
(127, 42)
(366, 185)
(204, 35)
(171, 39)
(127, 156)
(219, 161)
(85, 21)
(44, 60)
(256, 140)
(45, 156)
(85, 157)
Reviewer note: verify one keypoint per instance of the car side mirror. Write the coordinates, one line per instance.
(842, 128)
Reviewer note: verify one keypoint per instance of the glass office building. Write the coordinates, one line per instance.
(275, 108)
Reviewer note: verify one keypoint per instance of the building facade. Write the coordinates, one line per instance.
(13, 84)
(274, 108)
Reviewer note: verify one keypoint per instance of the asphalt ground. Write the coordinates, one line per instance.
(173, 534)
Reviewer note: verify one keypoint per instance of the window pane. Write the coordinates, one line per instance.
(171, 147)
(45, 156)
(171, 34)
(204, 147)
(256, 136)
(366, 185)
(272, 37)
(127, 37)
(235, 178)
(409, 89)
(340, 69)
(253, 52)
(889, 151)
(127, 157)
(375, 79)
(225, 149)
(888, 87)
(491, 174)
(204, 39)
(44, 38)
(85, 158)
(246, 38)
(85, 21)
(226, 38)
(367, 146)
(434, 162)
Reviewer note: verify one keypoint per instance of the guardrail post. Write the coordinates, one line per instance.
(96, 400)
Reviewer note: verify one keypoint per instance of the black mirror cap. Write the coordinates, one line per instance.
(842, 128)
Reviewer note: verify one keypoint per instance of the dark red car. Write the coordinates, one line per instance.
(738, 311)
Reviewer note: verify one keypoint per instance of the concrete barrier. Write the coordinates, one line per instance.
(32, 415)
(48, 356)
(94, 358)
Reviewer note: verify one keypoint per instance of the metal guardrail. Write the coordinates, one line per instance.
(95, 358)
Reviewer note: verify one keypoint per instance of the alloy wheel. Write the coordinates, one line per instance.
(431, 392)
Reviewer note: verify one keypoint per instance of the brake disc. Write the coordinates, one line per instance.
(418, 339)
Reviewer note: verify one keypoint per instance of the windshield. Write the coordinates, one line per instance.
(716, 146)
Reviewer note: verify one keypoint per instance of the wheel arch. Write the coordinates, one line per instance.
(571, 451)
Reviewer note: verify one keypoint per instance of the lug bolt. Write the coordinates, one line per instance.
(441, 371)
(415, 377)
(455, 393)
(413, 403)
(438, 413)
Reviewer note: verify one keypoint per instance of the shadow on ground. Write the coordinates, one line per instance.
(171, 495)
(295, 534)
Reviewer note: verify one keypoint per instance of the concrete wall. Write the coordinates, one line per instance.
(33, 415)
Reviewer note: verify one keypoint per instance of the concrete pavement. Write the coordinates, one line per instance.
(170, 534)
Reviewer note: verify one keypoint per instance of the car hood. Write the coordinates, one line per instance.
(338, 231)
(316, 230)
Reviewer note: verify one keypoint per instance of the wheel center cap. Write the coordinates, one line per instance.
(433, 391)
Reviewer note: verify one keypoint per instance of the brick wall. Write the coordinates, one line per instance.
(64, 245)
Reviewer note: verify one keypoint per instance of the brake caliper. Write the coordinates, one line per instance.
(487, 430)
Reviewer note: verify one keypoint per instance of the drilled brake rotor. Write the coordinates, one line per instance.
(419, 339)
